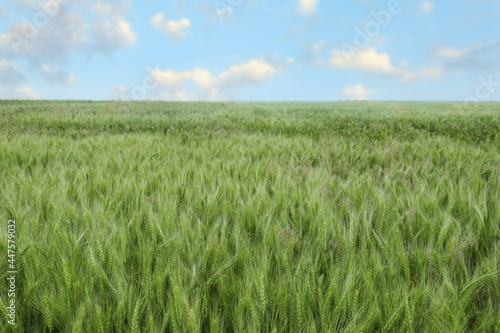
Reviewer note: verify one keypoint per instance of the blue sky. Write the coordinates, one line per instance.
(250, 50)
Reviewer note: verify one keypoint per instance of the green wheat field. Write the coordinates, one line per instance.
(251, 217)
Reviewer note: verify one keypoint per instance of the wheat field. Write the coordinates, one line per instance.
(252, 217)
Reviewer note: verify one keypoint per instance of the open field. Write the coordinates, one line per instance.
(277, 217)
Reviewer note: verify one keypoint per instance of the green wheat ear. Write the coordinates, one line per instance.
(136, 317)
(394, 317)
(48, 313)
(472, 288)
(409, 317)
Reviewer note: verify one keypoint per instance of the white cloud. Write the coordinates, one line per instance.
(478, 57)
(367, 60)
(253, 72)
(110, 30)
(357, 92)
(426, 74)
(52, 42)
(225, 13)
(174, 80)
(57, 77)
(308, 7)
(172, 85)
(70, 26)
(9, 72)
(451, 53)
(11, 83)
(21, 93)
(426, 7)
(25, 2)
(313, 54)
(173, 29)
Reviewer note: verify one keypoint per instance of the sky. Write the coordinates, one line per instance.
(250, 50)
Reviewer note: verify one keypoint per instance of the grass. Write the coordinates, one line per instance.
(277, 217)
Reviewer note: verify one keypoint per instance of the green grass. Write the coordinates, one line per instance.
(278, 217)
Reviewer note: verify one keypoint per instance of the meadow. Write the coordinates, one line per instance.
(251, 217)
